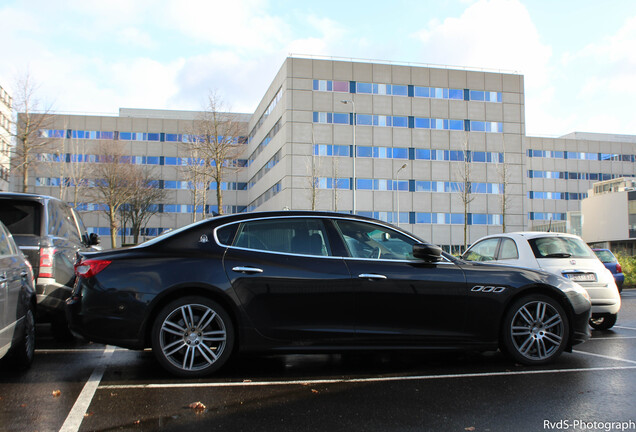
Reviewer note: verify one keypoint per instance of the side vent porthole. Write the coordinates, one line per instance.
(488, 289)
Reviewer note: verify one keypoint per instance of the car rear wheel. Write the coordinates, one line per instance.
(536, 330)
(192, 336)
(603, 322)
(22, 353)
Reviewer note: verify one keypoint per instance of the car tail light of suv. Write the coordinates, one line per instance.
(89, 268)
(46, 262)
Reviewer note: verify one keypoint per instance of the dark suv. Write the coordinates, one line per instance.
(50, 233)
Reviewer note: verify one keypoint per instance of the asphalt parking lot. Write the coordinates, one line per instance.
(90, 387)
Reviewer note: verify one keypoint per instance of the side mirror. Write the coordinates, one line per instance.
(427, 252)
(93, 239)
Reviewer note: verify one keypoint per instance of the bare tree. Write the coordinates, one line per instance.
(464, 189)
(197, 176)
(30, 121)
(313, 168)
(504, 177)
(142, 203)
(114, 185)
(215, 136)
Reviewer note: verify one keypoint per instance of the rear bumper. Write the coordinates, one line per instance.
(51, 297)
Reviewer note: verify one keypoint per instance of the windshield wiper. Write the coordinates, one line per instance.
(558, 255)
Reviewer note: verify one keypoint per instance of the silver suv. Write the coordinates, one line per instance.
(50, 233)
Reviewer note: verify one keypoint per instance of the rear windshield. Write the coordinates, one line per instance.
(605, 256)
(21, 217)
(560, 247)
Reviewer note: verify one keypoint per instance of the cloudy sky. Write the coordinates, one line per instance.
(578, 57)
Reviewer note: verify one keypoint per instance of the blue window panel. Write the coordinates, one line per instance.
(402, 185)
(315, 116)
(341, 118)
(341, 150)
(364, 151)
(170, 160)
(476, 95)
(439, 93)
(153, 137)
(125, 136)
(478, 126)
(343, 183)
(480, 188)
(437, 124)
(316, 85)
(400, 90)
(352, 86)
(400, 121)
(364, 119)
(169, 208)
(466, 94)
(411, 153)
(162, 137)
(382, 120)
(364, 88)
(456, 218)
(365, 184)
(382, 89)
(423, 154)
(467, 125)
(421, 92)
(400, 153)
(456, 94)
(456, 125)
(478, 156)
(456, 155)
(423, 218)
(410, 91)
(422, 123)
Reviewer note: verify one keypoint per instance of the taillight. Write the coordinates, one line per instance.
(89, 268)
(619, 269)
(46, 262)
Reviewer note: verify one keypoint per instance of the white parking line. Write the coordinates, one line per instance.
(604, 356)
(625, 328)
(74, 419)
(67, 350)
(610, 338)
(358, 380)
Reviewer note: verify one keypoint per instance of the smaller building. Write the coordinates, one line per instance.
(609, 215)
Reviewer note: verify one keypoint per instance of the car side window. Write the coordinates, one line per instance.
(302, 236)
(483, 251)
(5, 243)
(508, 249)
(367, 240)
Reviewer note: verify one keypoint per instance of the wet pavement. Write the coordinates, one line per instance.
(89, 387)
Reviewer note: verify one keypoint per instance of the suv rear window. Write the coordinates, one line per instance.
(21, 217)
(560, 247)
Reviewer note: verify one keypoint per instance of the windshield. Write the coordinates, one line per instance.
(560, 247)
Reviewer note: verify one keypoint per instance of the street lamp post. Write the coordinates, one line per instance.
(395, 186)
(353, 104)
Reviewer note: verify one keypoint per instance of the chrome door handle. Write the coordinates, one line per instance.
(240, 269)
(371, 276)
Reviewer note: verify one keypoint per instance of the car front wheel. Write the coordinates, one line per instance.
(603, 322)
(192, 336)
(536, 330)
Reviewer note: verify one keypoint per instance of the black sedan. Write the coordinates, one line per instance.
(314, 282)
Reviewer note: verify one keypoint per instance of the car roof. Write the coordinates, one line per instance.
(26, 196)
(530, 235)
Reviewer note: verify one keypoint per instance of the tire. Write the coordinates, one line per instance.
(179, 339)
(603, 322)
(22, 354)
(535, 330)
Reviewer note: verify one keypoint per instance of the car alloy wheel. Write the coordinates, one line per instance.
(192, 336)
(536, 330)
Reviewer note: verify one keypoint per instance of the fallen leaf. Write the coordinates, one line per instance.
(470, 428)
(247, 381)
(88, 414)
(137, 422)
(23, 406)
(314, 391)
(198, 407)
(56, 393)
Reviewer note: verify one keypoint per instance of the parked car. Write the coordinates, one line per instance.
(17, 304)
(50, 233)
(562, 254)
(609, 260)
(314, 282)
